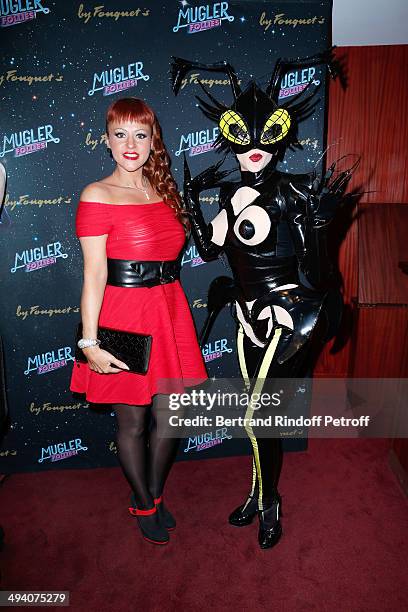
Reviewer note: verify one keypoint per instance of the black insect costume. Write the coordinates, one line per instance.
(272, 227)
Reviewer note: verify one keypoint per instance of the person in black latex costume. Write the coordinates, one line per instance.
(272, 227)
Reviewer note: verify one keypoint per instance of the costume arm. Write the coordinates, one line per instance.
(311, 206)
(208, 179)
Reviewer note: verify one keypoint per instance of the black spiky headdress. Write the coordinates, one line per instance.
(256, 119)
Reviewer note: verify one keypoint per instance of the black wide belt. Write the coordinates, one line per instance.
(128, 273)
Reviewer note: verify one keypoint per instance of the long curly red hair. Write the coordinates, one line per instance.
(157, 167)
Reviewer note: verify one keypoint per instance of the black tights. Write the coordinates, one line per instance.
(145, 457)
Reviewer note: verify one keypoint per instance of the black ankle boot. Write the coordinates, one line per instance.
(150, 524)
(270, 529)
(164, 514)
(245, 514)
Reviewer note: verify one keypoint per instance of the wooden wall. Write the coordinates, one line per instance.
(369, 118)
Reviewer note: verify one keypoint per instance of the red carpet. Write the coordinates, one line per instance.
(344, 548)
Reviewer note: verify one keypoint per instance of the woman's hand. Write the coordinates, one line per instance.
(102, 362)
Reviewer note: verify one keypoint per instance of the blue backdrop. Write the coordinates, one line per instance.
(62, 64)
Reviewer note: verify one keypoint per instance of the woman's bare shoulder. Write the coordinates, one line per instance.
(95, 192)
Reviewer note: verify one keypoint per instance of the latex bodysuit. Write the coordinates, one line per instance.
(272, 227)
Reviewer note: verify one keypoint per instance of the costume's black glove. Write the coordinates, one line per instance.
(208, 179)
(313, 208)
(323, 199)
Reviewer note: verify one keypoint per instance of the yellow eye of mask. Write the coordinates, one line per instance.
(276, 127)
(234, 128)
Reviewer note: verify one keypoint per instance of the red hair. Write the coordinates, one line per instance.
(157, 167)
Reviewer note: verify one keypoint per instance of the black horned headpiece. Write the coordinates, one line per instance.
(256, 119)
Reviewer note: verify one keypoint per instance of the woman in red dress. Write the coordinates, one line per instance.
(134, 218)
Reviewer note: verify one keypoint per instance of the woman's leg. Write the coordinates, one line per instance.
(250, 357)
(132, 449)
(267, 458)
(268, 450)
(162, 450)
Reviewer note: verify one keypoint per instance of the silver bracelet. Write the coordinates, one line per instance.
(87, 342)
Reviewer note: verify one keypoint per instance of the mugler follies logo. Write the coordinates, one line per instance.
(38, 257)
(62, 450)
(296, 81)
(203, 17)
(112, 80)
(49, 361)
(28, 141)
(192, 257)
(198, 142)
(216, 349)
(207, 440)
(17, 11)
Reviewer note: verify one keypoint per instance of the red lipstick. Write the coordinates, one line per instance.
(131, 155)
(256, 157)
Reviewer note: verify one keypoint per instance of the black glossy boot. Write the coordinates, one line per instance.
(270, 529)
(244, 514)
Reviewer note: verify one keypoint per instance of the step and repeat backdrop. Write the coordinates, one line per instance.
(62, 64)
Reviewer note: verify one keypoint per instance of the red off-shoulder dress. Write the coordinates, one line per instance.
(144, 232)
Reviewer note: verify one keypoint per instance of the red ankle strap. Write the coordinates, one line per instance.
(158, 500)
(137, 512)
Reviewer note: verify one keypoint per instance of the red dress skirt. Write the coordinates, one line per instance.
(144, 232)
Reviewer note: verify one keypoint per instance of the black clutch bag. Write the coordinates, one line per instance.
(132, 349)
